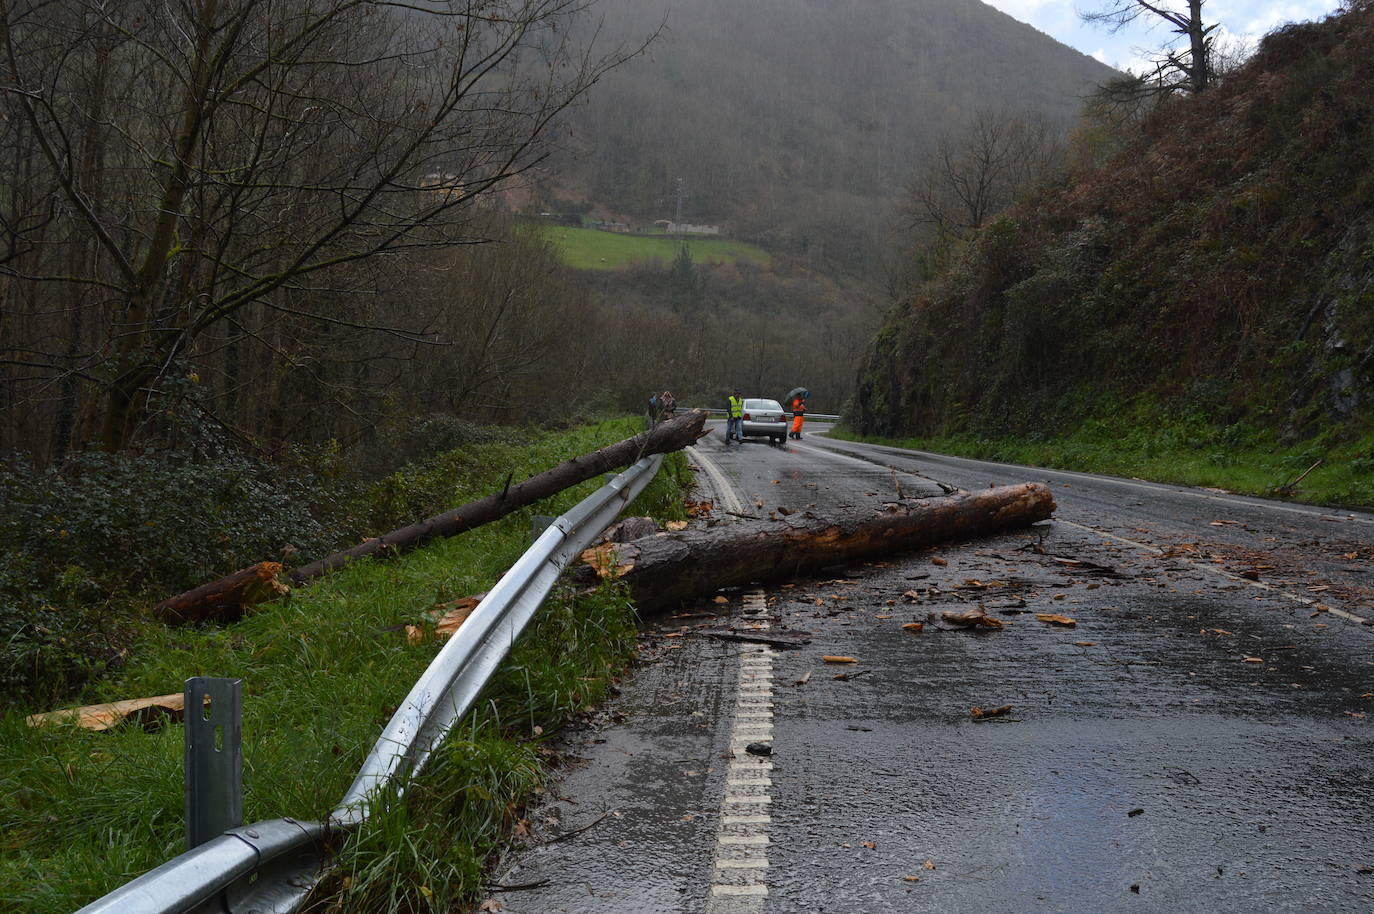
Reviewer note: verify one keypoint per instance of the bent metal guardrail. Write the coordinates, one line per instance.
(269, 867)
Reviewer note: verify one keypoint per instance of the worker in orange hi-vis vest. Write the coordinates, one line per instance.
(798, 416)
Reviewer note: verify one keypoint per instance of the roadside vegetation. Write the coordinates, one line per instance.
(594, 249)
(1185, 450)
(1200, 269)
(81, 812)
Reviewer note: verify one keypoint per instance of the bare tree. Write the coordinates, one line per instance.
(977, 172)
(1190, 70)
(202, 170)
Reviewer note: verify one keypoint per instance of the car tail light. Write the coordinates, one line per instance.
(746, 415)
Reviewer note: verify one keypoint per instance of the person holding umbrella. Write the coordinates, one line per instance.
(798, 397)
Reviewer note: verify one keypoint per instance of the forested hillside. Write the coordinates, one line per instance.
(1219, 266)
(795, 123)
(327, 253)
(795, 126)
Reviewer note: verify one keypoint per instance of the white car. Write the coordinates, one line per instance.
(764, 418)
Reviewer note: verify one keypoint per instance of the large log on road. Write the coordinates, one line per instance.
(664, 569)
(217, 600)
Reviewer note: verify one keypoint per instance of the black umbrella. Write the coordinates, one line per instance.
(798, 392)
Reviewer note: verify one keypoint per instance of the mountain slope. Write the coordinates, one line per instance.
(1221, 266)
(796, 122)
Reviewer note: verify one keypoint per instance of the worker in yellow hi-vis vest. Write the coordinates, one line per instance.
(734, 418)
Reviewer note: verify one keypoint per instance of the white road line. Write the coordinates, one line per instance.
(1212, 569)
(1155, 487)
(745, 839)
(739, 885)
(1159, 487)
(724, 491)
(867, 464)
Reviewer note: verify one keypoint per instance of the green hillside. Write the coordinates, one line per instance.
(594, 249)
(795, 123)
(1216, 275)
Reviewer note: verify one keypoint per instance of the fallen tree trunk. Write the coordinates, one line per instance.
(664, 569)
(216, 599)
(226, 598)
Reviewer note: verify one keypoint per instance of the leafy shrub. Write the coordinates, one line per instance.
(157, 521)
(84, 545)
(414, 440)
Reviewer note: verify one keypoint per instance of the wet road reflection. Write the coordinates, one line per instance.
(1186, 742)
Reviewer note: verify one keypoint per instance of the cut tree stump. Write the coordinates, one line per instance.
(665, 569)
(224, 599)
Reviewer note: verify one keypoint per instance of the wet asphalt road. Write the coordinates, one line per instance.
(1197, 740)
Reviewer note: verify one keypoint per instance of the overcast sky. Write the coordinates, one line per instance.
(1242, 22)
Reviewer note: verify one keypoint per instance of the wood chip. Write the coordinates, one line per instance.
(1056, 619)
(148, 712)
(837, 658)
(982, 713)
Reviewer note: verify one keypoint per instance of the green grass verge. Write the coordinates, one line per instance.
(593, 249)
(83, 812)
(1232, 458)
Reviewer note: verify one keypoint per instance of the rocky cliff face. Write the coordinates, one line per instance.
(1222, 262)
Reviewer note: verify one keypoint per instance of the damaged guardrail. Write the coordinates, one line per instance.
(270, 867)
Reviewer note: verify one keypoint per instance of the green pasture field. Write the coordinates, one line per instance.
(593, 249)
(82, 812)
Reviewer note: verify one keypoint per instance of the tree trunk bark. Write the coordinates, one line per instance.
(215, 600)
(665, 569)
(662, 438)
(225, 599)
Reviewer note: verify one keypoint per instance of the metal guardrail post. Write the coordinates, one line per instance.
(214, 758)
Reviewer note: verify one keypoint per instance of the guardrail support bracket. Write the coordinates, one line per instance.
(214, 758)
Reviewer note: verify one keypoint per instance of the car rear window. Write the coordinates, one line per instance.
(761, 404)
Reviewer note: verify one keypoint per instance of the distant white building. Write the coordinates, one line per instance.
(686, 228)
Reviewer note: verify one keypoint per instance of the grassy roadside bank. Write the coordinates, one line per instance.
(82, 812)
(1234, 458)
